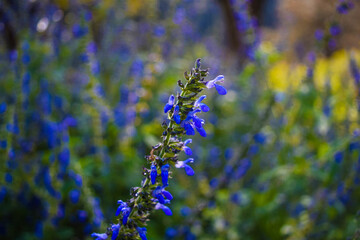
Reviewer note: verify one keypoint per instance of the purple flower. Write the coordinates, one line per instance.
(165, 174)
(319, 34)
(335, 30)
(344, 7)
(142, 232)
(184, 164)
(99, 236)
(115, 228)
(170, 104)
(124, 209)
(213, 83)
(166, 209)
(186, 149)
(153, 174)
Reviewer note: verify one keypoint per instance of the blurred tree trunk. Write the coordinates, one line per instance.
(234, 42)
(9, 34)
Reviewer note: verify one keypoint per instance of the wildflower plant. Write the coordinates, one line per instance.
(182, 113)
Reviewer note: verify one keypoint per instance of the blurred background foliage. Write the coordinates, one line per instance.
(83, 84)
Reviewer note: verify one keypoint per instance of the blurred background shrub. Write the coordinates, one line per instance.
(83, 84)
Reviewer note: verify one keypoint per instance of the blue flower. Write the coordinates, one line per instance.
(99, 236)
(244, 166)
(142, 232)
(165, 174)
(160, 194)
(8, 178)
(115, 228)
(170, 104)
(166, 209)
(184, 164)
(124, 209)
(202, 106)
(338, 157)
(153, 174)
(74, 195)
(196, 123)
(77, 178)
(3, 144)
(260, 138)
(186, 149)
(2, 107)
(213, 83)
(64, 159)
(79, 31)
(176, 115)
(185, 211)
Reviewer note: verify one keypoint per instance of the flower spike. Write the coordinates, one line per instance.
(183, 119)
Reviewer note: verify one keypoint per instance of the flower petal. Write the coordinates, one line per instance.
(177, 118)
(171, 100)
(167, 194)
(187, 150)
(187, 141)
(204, 107)
(201, 131)
(220, 89)
(189, 171)
(189, 129)
(167, 108)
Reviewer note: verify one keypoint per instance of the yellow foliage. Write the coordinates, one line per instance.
(284, 77)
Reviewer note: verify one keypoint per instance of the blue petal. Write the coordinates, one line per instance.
(189, 129)
(2, 107)
(189, 171)
(160, 198)
(171, 100)
(260, 138)
(99, 236)
(198, 122)
(204, 107)
(125, 218)
(187, 150)
(177, 118)
(220, 89)
(187, 141)
(167, 108)
(167, 194)
(165, 174)
(118, 210)
(115, 231)
(153, 176)
(167, 210)
(201, 131)
(142, 233)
